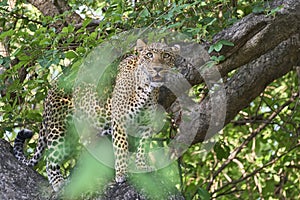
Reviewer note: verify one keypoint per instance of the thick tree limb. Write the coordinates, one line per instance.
(54, 8)
(256, 34)
(263, 52)
(250, 80)
(18, 181)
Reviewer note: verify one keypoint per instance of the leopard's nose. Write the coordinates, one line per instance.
(157, 69)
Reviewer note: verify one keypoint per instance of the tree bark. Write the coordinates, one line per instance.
(266, 48)
(18, 182)
(54, 8)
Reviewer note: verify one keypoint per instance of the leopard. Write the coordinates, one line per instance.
(136, 90)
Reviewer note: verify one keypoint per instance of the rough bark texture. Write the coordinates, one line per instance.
(54, 8)
(18, 181)
(250, 80)
(266, 48)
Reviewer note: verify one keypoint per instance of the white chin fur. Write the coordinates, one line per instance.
(156, 84)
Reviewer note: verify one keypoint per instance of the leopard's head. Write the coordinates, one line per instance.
(155, 60)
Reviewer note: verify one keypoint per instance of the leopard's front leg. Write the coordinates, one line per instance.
(56, 154)
(141, 158)
(120, 145)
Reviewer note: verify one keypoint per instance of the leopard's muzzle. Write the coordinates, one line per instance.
(158, 74)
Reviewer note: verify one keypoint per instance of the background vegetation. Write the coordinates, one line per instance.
(256, 156)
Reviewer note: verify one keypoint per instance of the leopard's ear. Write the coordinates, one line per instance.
(176, 48)
(140, 45)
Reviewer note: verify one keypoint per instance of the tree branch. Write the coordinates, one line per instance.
(19, 181)
(258, 40)
(234, 182)
(236, 151)
(243, 87)
(257, 34)
(20, 16)
(54, 8)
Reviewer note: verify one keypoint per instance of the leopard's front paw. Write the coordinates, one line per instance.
(58, 185)
(120, 178)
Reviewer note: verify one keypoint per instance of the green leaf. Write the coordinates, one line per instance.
(227, 43)
(221, 58)
(2, 22)
(3, 3)
(23, 57)
(190, 190)
(71, 28)
(145, 13)
(218, 46)
(221, 151)
(86, 22)
(34, 115)
(214, 58)
(22, 63)
(45, 41)
(211, 48)
(65, 30)
(93, 36)
(7, 33)
(203, 194)
(258, 9)
(218, 59)
(275, 10)
(71, 54)
(81, 50)
(32, 27)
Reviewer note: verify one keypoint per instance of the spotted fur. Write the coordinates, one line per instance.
(136, 90)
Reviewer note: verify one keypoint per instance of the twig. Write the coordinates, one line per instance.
(254, 172)
(18, 16)
(246, 141)
(250, 121)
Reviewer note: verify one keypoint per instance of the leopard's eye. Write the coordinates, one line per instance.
(166, 55)
(149, 55)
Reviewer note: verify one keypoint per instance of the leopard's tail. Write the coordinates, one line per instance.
(19, 146)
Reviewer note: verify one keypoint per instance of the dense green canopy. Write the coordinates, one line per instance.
(255, 156)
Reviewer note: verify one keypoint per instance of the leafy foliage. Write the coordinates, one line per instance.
(266, 165)
(264, 135)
